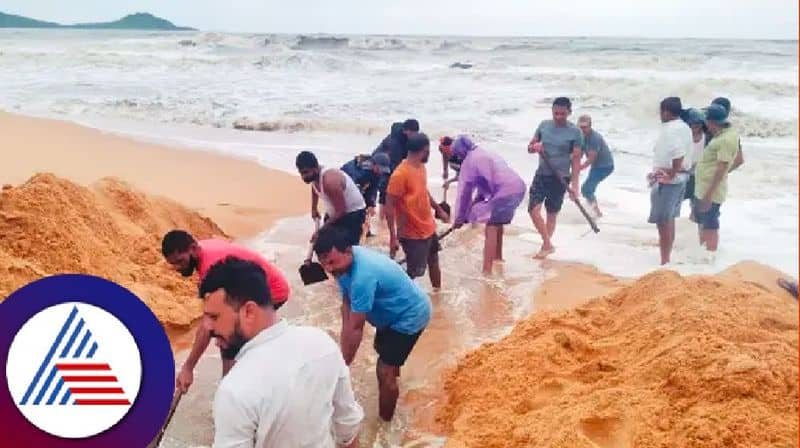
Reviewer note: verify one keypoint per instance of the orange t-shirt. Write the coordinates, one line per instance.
(409, 187)
(215, 250)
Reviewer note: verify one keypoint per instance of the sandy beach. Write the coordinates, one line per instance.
(105, 201)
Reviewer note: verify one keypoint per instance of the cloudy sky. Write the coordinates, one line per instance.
(746, 19)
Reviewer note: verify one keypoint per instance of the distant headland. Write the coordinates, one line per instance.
(138, 21)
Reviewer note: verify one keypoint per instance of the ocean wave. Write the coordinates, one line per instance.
(748, 125)
(297, 125)
(320, 42)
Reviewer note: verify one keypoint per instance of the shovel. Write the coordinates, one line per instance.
(585, 214)
(310, 271)
(175, 401)
(444, 205)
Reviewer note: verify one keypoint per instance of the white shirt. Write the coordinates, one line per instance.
(674, 141)
(289, 388)
(353, 199)
(697, 151)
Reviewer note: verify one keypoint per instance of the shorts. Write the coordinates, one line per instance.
(420, 254)
(547, 189)
(665, 202)
(497, 211)
(708, 220)
(689, 193)
(394, 347)
(353, 224)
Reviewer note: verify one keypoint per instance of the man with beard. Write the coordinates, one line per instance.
(290, 386)
(187, 255)
(344, 204)
(409, 201)
(375, 289)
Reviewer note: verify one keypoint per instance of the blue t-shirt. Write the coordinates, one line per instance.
(377, 286)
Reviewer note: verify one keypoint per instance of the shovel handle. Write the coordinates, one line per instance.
(175, 402)
(585, 214)
(310, 253)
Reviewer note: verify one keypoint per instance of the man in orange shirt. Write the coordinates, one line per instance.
(409, 205)
(186, 255)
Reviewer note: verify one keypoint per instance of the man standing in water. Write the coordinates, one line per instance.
(711, 175)
(290, 386)
(560, 142)
(410, 203)
(186, 255)
(375, 289)
(668, 178)
(344, 204)
(598, 157)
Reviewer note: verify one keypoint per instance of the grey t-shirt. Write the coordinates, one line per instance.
(596, 142)
(558, 142)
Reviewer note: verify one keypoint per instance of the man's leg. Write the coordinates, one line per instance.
(551, 223)
(490, 247)
(435, 272)
(666, 238)
(388, 389)
(541, 227)
(711, 238)
(500, 230)
(710, 231)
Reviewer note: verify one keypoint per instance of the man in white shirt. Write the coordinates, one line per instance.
(669, 175)
(290, 386)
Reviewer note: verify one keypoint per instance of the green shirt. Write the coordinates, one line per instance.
(722, 148)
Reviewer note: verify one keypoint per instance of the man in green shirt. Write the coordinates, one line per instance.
(711, 175)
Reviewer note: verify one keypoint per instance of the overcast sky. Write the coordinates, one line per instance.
(747, 19)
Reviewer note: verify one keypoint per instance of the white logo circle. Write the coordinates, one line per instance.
(74, 370)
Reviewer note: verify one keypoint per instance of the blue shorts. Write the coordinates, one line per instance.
(665, 202)
(708, 220)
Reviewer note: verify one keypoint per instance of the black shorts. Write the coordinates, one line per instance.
(394, 347)
(420, 254)
(353, 224)
(708, 220)
(547, 189)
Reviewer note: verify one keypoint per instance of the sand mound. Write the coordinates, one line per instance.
(665, 362)
(50, 225)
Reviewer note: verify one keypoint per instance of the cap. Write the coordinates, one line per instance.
(717, 113)
(724, 102)
(383, 162)
(693, 116)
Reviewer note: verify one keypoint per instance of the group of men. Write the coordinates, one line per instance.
(286, 385)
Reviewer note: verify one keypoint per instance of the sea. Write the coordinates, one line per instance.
(338, 95)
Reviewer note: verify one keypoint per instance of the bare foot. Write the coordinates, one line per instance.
(544, 252)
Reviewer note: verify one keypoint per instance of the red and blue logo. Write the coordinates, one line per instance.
(87, 364)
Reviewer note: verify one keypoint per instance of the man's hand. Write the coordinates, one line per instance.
(184, 380)
(394, 245)
(535, 147)
(704, 205)
(441, 215)
(315, 215)
(573, 192)
(314, 237)
(371, 211)
(458, 225)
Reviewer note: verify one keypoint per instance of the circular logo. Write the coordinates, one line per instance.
(74, 370)
(86, 364)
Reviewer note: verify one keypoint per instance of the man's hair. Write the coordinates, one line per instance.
(585, 119)
(672, 105)
(176, 241)
(411, 125)
(305, 160)
(417, 143)
(242, 281)
(330, 237)
(563, 102)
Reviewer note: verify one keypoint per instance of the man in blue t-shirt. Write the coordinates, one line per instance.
(377, 290)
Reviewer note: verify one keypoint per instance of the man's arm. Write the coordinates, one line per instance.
(314, 204)
(739, 160)
(445, 166)
(333, 185)
(186, 376)
(591, 156)
(575, 175)
(371, 193)
(440, 213)
(235, 424)
(347, 413)
(352, 332)
(391, 215)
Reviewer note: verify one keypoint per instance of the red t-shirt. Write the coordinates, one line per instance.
(215, 250)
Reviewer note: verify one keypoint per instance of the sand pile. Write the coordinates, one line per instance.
(50, 225)
(665, 362)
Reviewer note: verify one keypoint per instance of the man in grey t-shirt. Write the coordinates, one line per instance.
(560, 142)
(598, 157)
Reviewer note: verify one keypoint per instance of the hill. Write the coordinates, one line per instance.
(138, 21)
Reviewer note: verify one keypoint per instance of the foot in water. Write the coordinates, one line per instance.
(544, 252)
(789, 286)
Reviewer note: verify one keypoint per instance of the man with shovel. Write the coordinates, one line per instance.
(187, 255)
(376, 290)
(559, 144)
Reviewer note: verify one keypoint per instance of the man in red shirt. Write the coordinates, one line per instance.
(186, 255)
